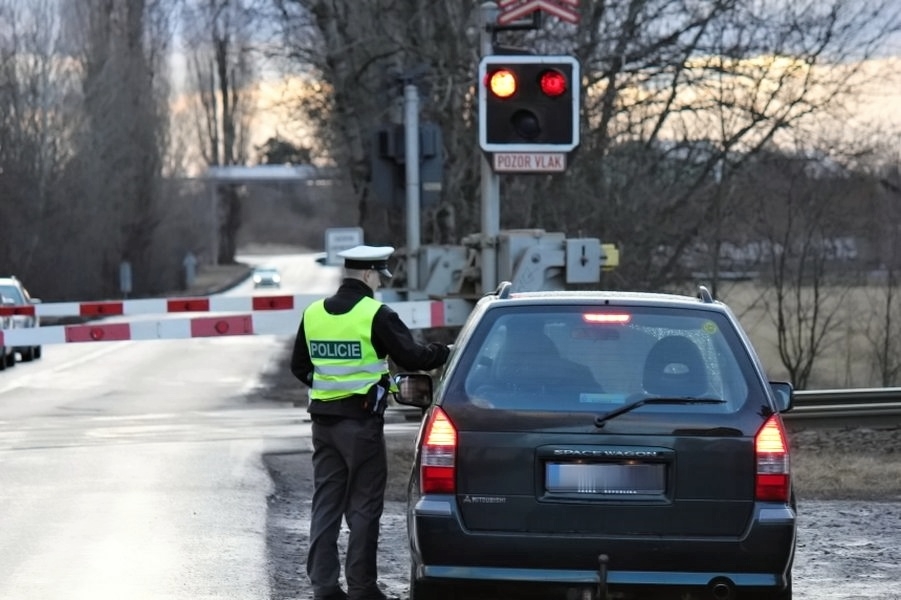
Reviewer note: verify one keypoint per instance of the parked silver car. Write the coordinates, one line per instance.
(7, 353)
(11, 287)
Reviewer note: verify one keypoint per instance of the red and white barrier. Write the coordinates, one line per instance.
(157, 306)
(268, 321)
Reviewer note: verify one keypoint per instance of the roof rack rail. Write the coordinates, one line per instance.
(503, 290)
(704, 294)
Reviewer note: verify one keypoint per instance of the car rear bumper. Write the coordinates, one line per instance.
(760, 558)
(561, 578)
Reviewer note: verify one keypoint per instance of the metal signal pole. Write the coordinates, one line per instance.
(490, 186)
(411, 164)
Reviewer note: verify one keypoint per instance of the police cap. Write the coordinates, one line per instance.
(363, 258)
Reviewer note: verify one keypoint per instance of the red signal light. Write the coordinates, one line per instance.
(502, 83)
(552, 83)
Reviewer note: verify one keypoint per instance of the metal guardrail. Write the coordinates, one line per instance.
(862, 407)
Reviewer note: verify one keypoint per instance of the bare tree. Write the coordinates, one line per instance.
(707, 86)
(37, 111)
(219, 37)
(883, 329)
(121, 46)
(672, 89)
(83, 116)
(361, 53)
(802, 220)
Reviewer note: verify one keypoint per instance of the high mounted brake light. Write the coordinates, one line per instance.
(612, 318)
(773, 482)
(437, 471)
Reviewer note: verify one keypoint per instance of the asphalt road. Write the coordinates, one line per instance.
(133, 469)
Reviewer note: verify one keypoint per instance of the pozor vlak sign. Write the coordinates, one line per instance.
(529, 111)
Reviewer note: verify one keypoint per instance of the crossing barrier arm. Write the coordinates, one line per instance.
(268, 317)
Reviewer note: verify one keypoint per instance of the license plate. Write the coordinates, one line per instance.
(605, 478)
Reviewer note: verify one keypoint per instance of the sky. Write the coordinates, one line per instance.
(880, 101)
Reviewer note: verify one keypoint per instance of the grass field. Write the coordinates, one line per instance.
(847, 355)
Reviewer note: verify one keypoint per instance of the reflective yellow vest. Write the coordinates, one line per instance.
(344, 361)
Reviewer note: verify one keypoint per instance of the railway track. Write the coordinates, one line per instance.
(864, 407)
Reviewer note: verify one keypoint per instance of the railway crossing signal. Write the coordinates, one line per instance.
(529, 103)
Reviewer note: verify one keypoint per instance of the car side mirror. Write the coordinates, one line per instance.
(414, 389)
(785, 395)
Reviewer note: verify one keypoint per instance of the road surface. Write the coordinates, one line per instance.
(133, 469)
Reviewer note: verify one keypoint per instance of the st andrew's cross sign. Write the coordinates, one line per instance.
(513, 10)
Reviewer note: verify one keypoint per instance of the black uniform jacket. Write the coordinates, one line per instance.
(390, 337)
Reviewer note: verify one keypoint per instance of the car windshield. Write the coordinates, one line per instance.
(597, 359)
(11, 291)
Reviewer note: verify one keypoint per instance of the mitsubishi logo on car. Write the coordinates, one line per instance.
(467, 499)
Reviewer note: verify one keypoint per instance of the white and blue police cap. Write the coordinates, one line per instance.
(362, 258)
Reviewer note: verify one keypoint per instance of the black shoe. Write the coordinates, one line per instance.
(377, 595)
(338, 594)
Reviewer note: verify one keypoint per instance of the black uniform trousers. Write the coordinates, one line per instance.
(350, 471)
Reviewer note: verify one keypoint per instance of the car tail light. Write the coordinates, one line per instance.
(438, 455)
(773, 468)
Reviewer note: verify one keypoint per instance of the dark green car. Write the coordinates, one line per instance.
(588, 445)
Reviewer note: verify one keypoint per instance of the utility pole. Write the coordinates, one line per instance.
(214, 221)
(490, 185)
(411, 164)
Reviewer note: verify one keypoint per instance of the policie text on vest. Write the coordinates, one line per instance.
(336, 349)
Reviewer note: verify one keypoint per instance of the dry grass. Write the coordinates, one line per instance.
(847, 357)
(833, 475)
(847, 463)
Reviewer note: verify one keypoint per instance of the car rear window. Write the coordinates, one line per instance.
(599, 358)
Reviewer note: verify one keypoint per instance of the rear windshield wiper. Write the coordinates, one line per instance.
(600, 420)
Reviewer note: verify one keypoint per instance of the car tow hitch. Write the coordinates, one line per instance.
(602, 576)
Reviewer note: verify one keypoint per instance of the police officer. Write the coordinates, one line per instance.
(341, 352)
